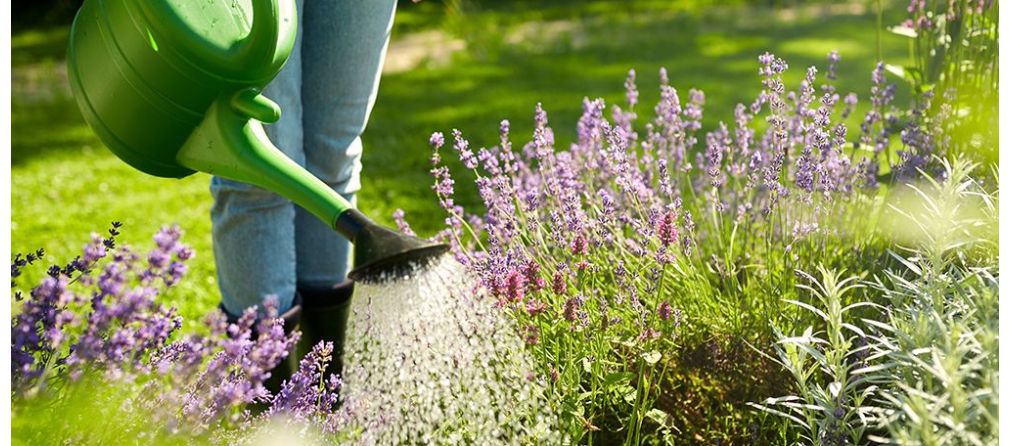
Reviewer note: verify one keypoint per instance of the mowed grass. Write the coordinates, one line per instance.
(65, 184)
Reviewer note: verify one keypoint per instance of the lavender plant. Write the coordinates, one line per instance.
(639, 243)
(953, 46)
(633, 265)
(121, 324)
(93, 343)
(93, 338)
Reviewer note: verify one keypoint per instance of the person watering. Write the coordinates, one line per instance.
(265, 246)
(173, 87)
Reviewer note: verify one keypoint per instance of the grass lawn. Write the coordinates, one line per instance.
(65, 184)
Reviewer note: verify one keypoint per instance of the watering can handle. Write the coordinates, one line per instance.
(259, 48)
(253, 57)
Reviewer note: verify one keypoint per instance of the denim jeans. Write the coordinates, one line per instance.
(263, 244)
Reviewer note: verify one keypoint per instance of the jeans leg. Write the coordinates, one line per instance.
(345, 44)
(254, 229)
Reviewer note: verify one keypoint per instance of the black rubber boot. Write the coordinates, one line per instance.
(288, 366)
(324, 318)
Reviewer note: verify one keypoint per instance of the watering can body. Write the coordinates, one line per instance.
(172, 87)
(145, 72)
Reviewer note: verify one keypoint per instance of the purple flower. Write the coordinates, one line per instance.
(111, 328)
(401, 222)
(850, 104)
(168, 237)
(801, 230)
(31, 330)
(535, 307)
(531, 275)
(158, 259)
(579, 245)
(437, 140)
(558, 284)
(309, 394)
(462, 147)
(443, 184)
(693, 111)
(664, 311)
(543, 136)
(716, 144)
(620, 191)
(532, 334)
(805, 170)
(94, 250)
(666, 230)
(184, 253)
(515, 286)
(648, 333)
(631, 92)
(833, 59)
(175, 272)
(771, 65)
(571, 310)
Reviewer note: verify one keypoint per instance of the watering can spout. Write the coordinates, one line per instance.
(230, 142)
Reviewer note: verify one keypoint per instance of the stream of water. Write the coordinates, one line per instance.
(430, 360)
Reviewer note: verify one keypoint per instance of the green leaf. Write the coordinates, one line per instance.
(617, 378)
(632, 396)
(652, 357)
(658, 416)
(911, 266)
(872, 369)
(624, 390)
(809, 307)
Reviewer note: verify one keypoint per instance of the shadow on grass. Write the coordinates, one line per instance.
(38, 45)
(44, 117)
(48, 127)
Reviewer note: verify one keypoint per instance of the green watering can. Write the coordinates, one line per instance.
(173, 87)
